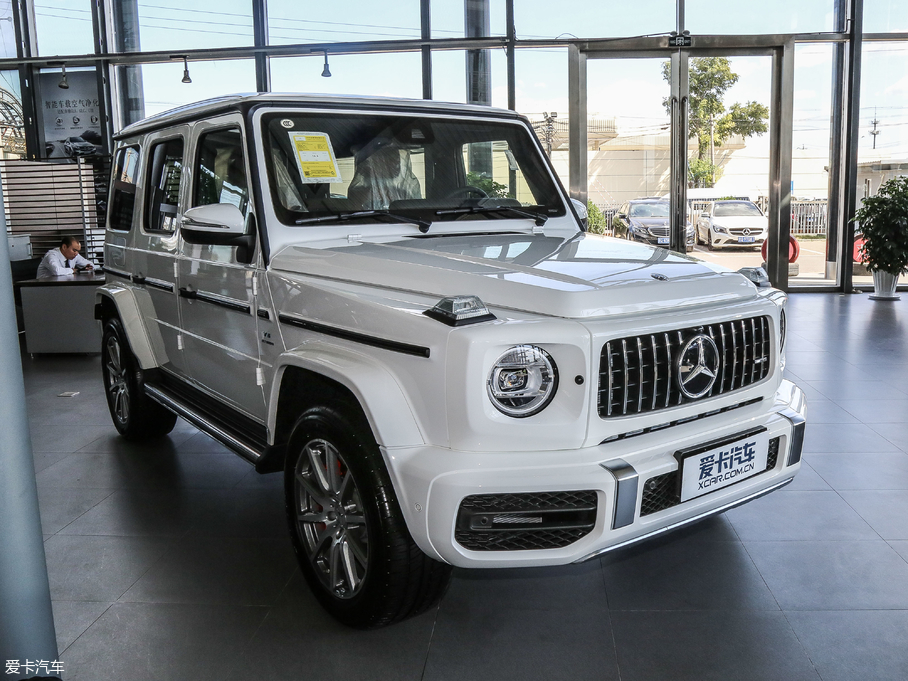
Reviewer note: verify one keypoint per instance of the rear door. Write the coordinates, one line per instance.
(154, 265)
(217, 282)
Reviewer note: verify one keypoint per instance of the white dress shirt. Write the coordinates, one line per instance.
(54, 263)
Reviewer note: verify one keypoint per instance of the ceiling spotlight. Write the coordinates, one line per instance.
(63, 85)
(326, 72)
(186, 78)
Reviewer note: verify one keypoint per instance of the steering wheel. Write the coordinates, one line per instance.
(467, 192)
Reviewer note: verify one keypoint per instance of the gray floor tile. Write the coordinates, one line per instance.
(832, 575)
(51, 438)
(886, 470)
(901, 547)
(876, 411)
(98, 568)
(60, 507)
(137, 512)
(896, 433)
(524, 624)
(807, 479)
(799, 516)
(885, 511)
(299, 640)
(239, 512)
(72, 618)
(844, 437)
(827, 411)
(709, 646)
(217, 571)
(163, 642)
(855, 645)
(674, 574)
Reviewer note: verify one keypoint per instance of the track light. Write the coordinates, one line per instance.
(186, 78)
(63, 85)
(326, 72)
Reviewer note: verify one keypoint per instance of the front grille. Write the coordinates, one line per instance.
(525, 521)
(745, 231)
(661, 492)
(659, 231)
(639, 374)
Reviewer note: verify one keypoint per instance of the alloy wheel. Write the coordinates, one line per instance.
(330, 518)
(117, 387)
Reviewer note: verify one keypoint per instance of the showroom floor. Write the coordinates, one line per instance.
(171, 562)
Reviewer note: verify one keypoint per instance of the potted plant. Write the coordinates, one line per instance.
(884, 223)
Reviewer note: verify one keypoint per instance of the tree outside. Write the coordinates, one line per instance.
(709, 120)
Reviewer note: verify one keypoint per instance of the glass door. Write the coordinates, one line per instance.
(686, 148)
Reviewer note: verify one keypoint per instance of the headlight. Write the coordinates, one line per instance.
(523, 381)
(719, 229)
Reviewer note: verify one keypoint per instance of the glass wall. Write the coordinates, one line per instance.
(64, 27)
(449, 80)
(290, 22)
(538, 19)
(885, 16)
(381, 75)
(7, 31)
(752, 18)
(164, 90)
(174, 25)
(883, 145)
(448, 18)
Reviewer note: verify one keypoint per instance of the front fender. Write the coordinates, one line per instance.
(147, 348)
(393, 422)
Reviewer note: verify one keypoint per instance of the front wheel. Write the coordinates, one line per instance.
(346, 525)
(134, 414)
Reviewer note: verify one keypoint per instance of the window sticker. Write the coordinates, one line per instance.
(315, 157)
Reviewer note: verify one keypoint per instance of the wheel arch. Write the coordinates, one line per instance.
(319, 372)
(121, 302)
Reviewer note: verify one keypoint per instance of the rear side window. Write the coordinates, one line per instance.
(123, 195)
(166, 168)
(220, 172)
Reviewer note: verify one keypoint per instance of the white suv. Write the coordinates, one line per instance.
(395, 304)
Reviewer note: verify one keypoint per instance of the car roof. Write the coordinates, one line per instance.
(648, 201)
(243, 102)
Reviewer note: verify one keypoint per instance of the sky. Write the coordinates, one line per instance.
(631, 90)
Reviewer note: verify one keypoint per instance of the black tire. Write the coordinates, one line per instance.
(135, 415)
(346, 525)
(709, 242)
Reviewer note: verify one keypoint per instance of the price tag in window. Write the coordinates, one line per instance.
(315, 157)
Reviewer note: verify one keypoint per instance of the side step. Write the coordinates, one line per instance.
(237, 432)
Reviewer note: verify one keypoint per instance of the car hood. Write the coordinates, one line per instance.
(583, 276)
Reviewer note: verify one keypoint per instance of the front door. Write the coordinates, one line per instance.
(217, 283)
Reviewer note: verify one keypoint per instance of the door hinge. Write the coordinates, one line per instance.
(259, 376)
(179, 341)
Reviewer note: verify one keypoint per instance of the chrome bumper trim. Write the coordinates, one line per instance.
(682, 523)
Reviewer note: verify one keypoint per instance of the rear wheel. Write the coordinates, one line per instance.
(135, 415)
(347, 528)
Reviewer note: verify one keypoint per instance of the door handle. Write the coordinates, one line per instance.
(187, 293)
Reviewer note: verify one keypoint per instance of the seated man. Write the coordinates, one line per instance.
(64, 260)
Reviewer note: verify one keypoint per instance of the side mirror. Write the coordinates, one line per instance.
(623, 216)
(224, 219)
(220, 224)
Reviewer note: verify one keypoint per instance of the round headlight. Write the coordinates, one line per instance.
(523, 381)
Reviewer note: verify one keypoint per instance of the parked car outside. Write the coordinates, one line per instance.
(732, 224)
(647, 220)
(445, 371)
(76, 146)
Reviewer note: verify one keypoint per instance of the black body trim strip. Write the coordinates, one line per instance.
(215, 300)
(117, 273)
(162, 285)
(384, 343)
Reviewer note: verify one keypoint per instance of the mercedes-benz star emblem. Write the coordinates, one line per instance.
(697, 366)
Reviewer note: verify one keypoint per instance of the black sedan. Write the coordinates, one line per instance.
(647, 220)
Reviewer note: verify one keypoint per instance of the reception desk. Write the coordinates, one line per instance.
(59, 313)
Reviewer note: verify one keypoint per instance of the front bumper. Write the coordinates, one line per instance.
(731, 241)
(433, 482)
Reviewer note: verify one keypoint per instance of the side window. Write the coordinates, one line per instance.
(220, 171)
(123, 195)
(164, 185)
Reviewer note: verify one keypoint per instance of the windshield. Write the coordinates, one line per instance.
(649, 210)
(322, 165)
(736, 208)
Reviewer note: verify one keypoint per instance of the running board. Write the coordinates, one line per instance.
(207, 423)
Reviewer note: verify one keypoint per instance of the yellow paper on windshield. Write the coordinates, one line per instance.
(315, 157)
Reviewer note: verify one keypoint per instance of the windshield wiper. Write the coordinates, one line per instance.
(538, 217)
(341, 217)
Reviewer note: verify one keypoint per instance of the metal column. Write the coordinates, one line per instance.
(26, 618)
(577, 140)
(425, 32)
(780, 135)
(852, 133)
(260, 36)
(680, 96)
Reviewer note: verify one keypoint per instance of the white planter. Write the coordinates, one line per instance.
(884, 286)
